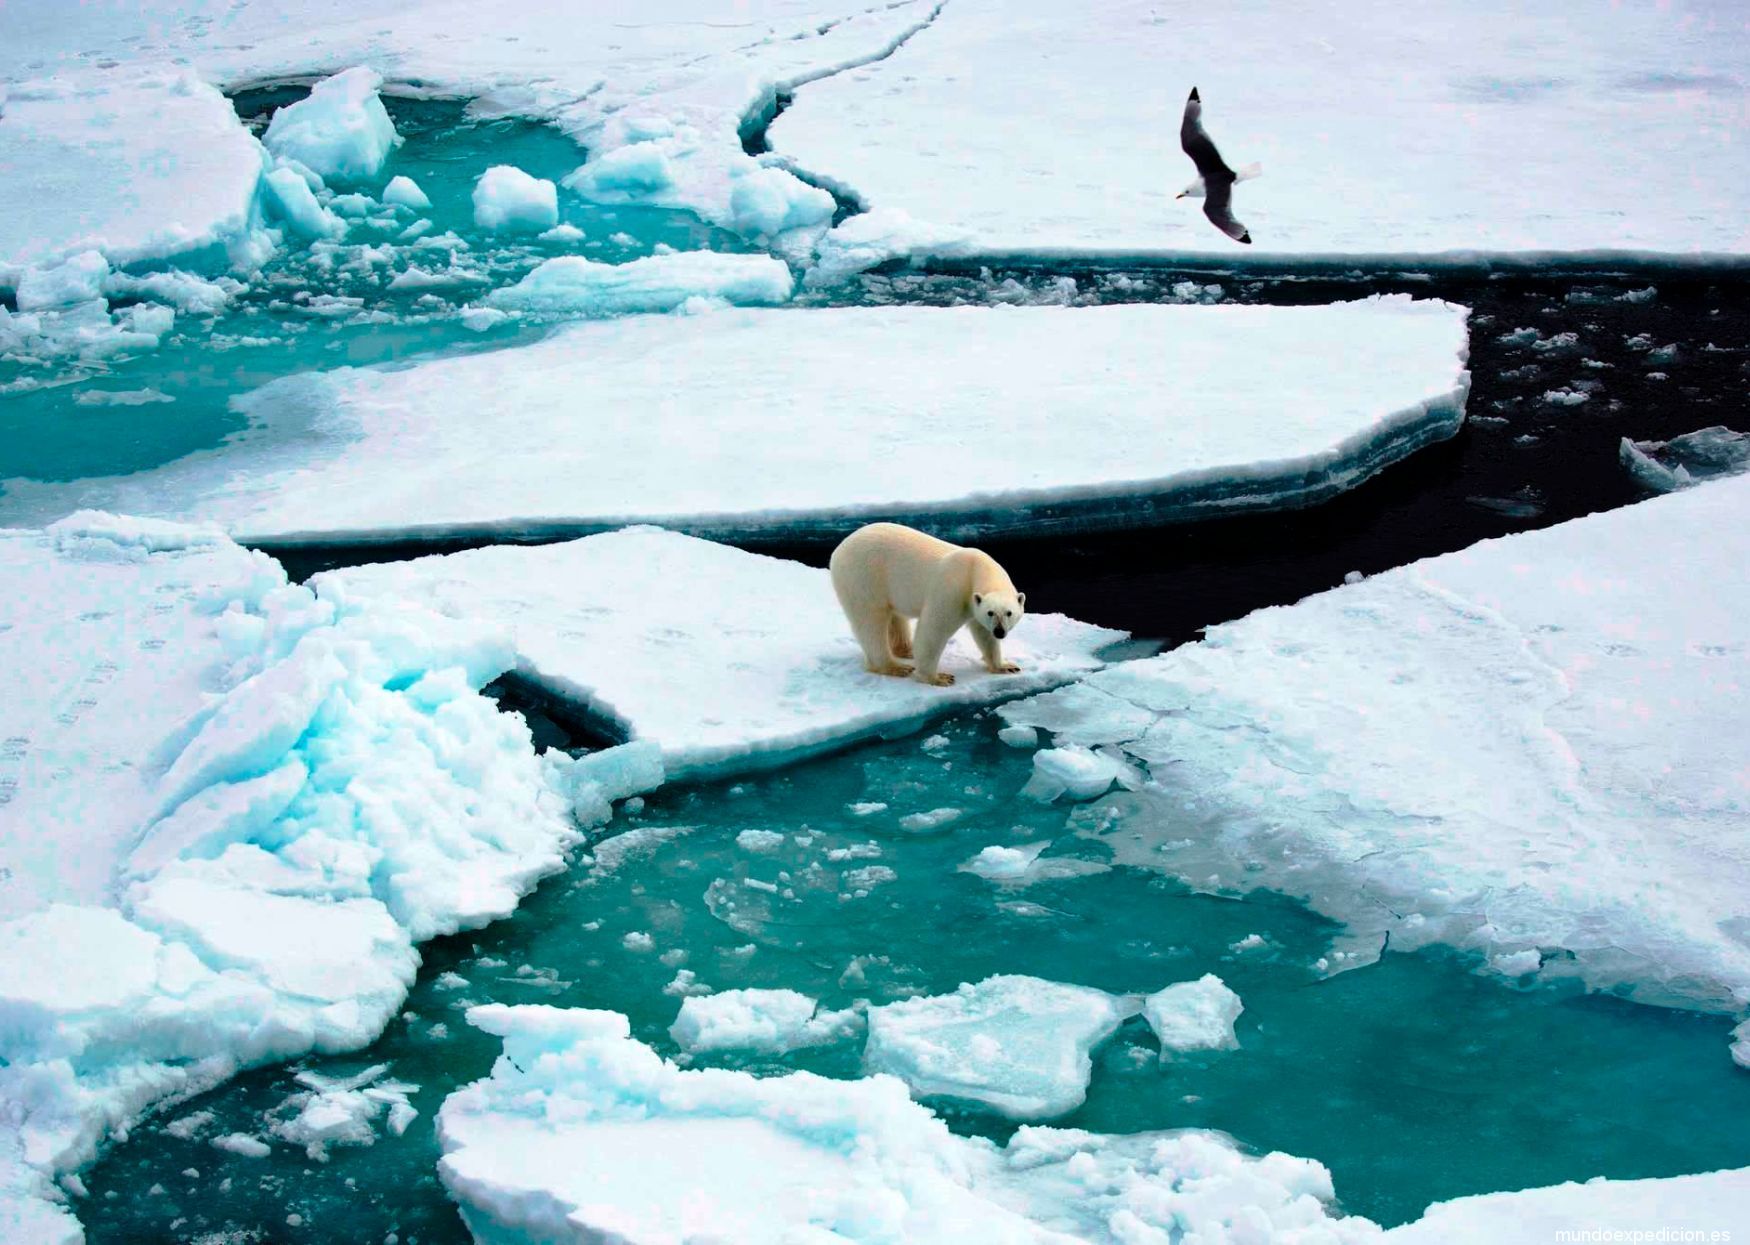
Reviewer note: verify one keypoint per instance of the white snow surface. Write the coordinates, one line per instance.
(726, 660)
(1019, 1045)
(1531, 744)
(228, 809)
(1492, 130)
(1711, 1206)
(973, 419)
(138, 164)
(583, 1134)
(1194, 1015)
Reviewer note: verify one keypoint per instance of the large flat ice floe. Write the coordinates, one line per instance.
(1676, 1208)
(725, 659)
(1533, 748)
(1464, 132)
(136, 165)
(228, 810)
(972, 421)
(583, 1134)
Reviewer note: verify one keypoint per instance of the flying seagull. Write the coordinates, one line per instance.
(1215, 181)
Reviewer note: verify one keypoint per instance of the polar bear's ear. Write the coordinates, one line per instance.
(977, 600)
(1021, 599)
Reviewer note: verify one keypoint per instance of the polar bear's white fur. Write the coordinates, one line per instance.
(887, 575)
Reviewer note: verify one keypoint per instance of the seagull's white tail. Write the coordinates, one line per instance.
(1251, 170)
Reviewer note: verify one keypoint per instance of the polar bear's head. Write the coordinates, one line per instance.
(998, 612)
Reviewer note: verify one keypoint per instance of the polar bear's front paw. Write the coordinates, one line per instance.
(936, 680)
(1005, 667)
(893, 670)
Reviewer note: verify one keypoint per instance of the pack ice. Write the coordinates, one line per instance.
(1045, 129)
(725, 660)
(581, 1133)
(228, 809)
(972, 420)
(1532, 748)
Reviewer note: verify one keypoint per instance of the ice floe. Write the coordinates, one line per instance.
(1048, 129)
(1666, 466)
(724, 659)
(573, 285)
(1081, 417)
(508, 200)
(136, 165)
(1534, 744)
(582, 1133)
(767, 1021)
(1018, 1045)
(273, 797)
(1194, 1015)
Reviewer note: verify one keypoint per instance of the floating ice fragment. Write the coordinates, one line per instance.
(290, 199)
(508, 200)
(341, 131)
(768, 1021)
(405, 192)
(1004, 864)
(1078, 772)
(760, 842)
(636, 169)
(1194, 1015)
(574, 285)
(1019, 736)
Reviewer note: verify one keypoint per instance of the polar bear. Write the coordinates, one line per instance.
(885, 575)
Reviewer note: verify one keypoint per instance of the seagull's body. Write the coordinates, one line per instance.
(1215, 181)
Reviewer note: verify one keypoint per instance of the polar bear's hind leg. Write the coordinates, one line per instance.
(899, 634)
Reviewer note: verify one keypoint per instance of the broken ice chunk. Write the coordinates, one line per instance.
(1194, 1015)
(341, 131)
(508, 200)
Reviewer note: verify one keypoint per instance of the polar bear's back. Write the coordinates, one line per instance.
(890, 565)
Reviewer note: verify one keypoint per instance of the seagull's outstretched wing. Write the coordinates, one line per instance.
(1218, 179)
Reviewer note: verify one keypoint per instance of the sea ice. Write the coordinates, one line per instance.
(508, 200)
(1666, 466)
(1039, 128)
(1019, 1045)
(1077, 414)
(612, 625)
(291, 201)
(582, 1133)
(341, 131)
(1079, 773)
(274, 797)
(1194, 1015)
(768, 1021)
(573, 285)
(136, 164)
(1531, 744)
(403, 191)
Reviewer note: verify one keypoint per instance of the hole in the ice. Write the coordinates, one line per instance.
(1413, 1079)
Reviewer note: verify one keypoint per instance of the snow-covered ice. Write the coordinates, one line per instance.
(744, 421)
(1488, 132)
(1080, 773)
(1531, 744)
(1194, 1015)
(581, 1133)
(725, 659)
(1019, 1045)
(573, 285)
(341, 132)
(343, 1111)
(136, 164)
(508, 200)
(1709, 1206)
(767, 1021)
(273, 797)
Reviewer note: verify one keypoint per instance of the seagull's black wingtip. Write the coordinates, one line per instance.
(1194, 96)
(1246, 237)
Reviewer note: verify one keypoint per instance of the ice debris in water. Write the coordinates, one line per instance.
(578, 1116)
(768, 1021)
(1019, 736)
(1080, 773)
(760, 842)
(572, 285)
(294, 204)
(403, 191)
(1666, 466)
(1004, 864)
(1019, 1045)
(341, 131)
(508, 200)
(333, 1111)
(1194, 1015)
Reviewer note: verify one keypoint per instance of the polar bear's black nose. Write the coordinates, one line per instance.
(999, 631)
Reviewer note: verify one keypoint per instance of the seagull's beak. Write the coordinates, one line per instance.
(1180, 195)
